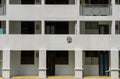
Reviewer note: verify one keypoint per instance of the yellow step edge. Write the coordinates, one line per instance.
(61, 77)
(24, 77)
(47, 77)
(97, 77)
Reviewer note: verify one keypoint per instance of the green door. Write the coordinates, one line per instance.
(103, 62)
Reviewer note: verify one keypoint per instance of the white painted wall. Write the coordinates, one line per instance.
(18, 69)
(91, 70)
(39, 11)
(116, 12)
(59, 42)
(66, 69)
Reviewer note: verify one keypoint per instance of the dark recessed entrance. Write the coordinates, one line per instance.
(27, 27)
(56, 1)
(56, 28)
(99, 60)
(27, 1)
(55, 57)
(103, 63)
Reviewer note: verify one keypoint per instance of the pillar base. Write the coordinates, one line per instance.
(78, 73)
(42, 73)
(114, 73)
(6, 73)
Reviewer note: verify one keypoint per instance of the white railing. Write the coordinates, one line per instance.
(95, 9)
(2, 9)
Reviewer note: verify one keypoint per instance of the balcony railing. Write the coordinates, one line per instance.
(95, 9)
(2, 9)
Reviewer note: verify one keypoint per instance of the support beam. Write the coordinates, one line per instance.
(77, 28)
(6, 6)
(114, 63)
(113, 27)
(43, 2)
(113, 2)
(7, 2)
(42, 63)
(43, 27)
(7, 27)
(6, 64)
(113, 7)
(77, 2)
(78, 63)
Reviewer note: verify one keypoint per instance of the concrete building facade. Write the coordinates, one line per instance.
(59, 37)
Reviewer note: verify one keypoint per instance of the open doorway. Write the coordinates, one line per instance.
(103, 29)
(57, 1)
(27, 27)
(57, 28)
(96, 63)
(27, 1)
(60, 63)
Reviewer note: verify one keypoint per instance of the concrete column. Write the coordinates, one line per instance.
(114, 63)
(6, 64)
(7, 6)
(7, 2)
(77, 2)
(43, 2)
(42, 63)
(7, 27)
(113, 28)
(113, 2)
(113, 7)
(77, 28)
(43, 27)
(78, 63)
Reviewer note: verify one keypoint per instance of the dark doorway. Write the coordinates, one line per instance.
(57, 28)
(57, 1)
(103, 29)
(103, 63)
(27, 27)
(104, 1)
(27, 57)
(51, 63)
(27, 2)
(56, 57)
(97, 1)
